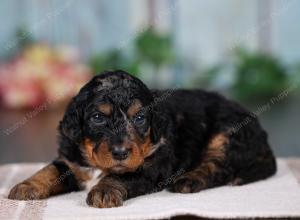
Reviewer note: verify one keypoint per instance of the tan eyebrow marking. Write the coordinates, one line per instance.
(134, 108)
(105, 108)
(218, 141)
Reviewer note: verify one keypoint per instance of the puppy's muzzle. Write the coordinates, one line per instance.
(120, 152)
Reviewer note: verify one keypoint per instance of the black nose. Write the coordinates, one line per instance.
(120, 153)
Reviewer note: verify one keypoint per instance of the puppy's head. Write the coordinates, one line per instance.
(110, 123)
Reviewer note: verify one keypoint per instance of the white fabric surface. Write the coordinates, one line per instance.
(278, 196)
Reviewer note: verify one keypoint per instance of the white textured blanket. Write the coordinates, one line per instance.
(278, 196)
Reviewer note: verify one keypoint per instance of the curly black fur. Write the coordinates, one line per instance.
(193, 139)
(187, 120)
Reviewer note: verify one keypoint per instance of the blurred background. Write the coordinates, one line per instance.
(247, 50)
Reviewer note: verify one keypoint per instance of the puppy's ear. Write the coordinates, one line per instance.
(159, 123)
(71, 124)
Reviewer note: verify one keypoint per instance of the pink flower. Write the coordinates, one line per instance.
(41, 74)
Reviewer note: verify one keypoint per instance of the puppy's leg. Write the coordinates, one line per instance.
(58, 177)
(113, 189)
(264, 165)
(108, 193)
(209, 173)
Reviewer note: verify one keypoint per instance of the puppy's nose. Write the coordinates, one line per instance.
(120, 153)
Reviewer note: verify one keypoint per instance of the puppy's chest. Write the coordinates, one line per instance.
(94, 177)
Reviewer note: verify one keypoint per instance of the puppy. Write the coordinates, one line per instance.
(145, 141)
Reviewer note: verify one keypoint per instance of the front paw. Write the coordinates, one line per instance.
(105, 196)
(188, 184)
(26, 191)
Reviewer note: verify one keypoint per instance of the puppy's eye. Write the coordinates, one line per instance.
(98, 119)
(139, 120)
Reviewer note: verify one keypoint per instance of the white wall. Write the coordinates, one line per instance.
(205, 31)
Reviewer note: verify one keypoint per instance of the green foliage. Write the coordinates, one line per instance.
(22, 38)
(113, 59)
(149, 47)
(154, 48)
(257, 75)
(207, 76)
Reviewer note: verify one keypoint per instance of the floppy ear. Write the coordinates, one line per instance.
(159, 123)
(71, 124)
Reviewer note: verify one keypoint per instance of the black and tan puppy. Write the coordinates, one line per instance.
(140, 138)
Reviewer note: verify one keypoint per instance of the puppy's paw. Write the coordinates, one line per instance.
(236, 182)
(26, 191)
(105, 196)
(188, 184)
